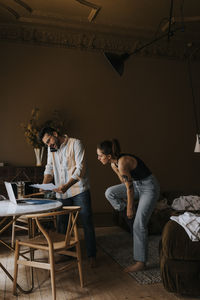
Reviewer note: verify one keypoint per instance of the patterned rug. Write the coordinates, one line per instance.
(119, 247)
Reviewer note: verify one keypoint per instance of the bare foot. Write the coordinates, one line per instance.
(138, 266)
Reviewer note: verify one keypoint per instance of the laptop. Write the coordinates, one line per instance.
(23, 201)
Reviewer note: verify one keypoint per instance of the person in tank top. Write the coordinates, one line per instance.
(137, 183)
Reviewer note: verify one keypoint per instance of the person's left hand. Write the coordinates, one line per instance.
(61, 189)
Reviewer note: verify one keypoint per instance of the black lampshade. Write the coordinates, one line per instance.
(117, 61)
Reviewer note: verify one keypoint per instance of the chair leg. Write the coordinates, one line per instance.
(79, 261)
(31, 234)
(55, 222)
(78, 252)
(31, 228)
(15, 268)
(52, 272)
(13, 235)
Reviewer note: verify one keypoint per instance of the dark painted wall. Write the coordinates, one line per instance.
(149, 110)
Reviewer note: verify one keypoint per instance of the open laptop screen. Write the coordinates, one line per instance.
(10, 192)
(15, 201)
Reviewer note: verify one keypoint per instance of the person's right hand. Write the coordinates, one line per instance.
(61, 189)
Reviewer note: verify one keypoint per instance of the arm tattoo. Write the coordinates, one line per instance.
(130, 182)
(125, 178)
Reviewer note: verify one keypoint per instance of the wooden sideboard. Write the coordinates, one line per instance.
(14, 174)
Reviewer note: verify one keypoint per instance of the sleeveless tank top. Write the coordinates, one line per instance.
(141, 171)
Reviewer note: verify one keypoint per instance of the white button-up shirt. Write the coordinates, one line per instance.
(66, 163)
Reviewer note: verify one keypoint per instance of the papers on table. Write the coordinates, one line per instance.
(45, 187)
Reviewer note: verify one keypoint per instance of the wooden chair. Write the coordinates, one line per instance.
(25, 224)
(52, 242)
(22, 223)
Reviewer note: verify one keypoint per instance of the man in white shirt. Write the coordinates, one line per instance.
(66, 165)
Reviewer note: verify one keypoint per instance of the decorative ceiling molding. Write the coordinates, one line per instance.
(10, 10)
(16, 8)
(24, 5)
(16, 12)
(95, 9)
(32, 22)
(92, 38)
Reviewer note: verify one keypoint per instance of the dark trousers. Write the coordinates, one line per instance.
(84, 201)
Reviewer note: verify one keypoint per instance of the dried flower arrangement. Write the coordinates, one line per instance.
(32, 128)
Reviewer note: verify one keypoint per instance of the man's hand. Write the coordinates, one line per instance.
(64, 187)
(61, 189)
(48, 178)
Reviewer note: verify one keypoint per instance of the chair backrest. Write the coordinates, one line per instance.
(71, 227)
(72, 211)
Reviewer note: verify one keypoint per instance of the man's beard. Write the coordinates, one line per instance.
(57, 142)
(52, 149)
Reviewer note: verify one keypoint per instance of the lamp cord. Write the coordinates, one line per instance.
(155, 40)
(193, 95)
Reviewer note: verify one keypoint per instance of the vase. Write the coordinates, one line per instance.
(39, 155)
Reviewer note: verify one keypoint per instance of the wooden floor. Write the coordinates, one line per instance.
(105, 282)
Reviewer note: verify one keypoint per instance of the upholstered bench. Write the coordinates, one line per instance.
(179, 261)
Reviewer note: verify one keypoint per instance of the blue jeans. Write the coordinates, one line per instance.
(84, 201)
(147, 192)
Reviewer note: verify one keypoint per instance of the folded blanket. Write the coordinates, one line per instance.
(186, 203)
(191, 223)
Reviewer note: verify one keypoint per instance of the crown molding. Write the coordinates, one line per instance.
(83, 36)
